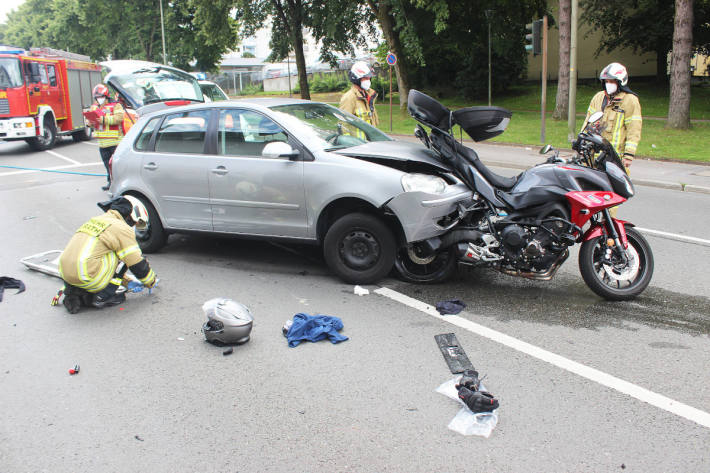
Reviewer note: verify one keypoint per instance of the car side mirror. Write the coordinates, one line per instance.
(279, 149)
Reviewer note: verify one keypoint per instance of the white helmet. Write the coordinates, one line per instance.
(139, 213)
(614, 71)
(359, 70)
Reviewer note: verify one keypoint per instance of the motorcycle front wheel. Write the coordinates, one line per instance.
(612, 278)
(411, 266)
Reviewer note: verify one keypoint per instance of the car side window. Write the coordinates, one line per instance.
(245, 133)
(144, 139)
(183, 132)
(52, 75)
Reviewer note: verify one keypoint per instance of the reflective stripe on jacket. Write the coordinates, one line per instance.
(622, 120)
(360, 104)
(90, 259)
(110, 129)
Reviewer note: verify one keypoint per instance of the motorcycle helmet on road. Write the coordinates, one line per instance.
(228, 321)
(359, 71)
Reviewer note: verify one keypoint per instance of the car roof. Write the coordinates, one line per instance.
(254, 103)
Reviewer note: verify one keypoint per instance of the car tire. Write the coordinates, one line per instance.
(359, 248)
(48, 139)
(154, 237)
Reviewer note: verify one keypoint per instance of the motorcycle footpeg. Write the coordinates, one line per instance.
(568, 239)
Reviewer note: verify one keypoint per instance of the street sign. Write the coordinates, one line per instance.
(391, 59)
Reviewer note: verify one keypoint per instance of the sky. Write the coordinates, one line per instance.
(8, 5)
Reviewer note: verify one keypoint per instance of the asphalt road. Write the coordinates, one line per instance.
(578, 378)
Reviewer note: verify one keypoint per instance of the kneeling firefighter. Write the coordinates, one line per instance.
(94, 263)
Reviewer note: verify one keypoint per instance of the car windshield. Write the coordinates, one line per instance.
(157, 84)
(10, 73)
(327, 127)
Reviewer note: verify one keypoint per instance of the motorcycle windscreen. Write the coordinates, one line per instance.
(428, 111)
(482, 123)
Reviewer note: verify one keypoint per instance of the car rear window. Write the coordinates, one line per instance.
(183, 132)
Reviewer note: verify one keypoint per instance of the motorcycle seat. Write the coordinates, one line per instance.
(496, 180)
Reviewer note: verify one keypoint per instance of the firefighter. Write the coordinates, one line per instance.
(360, 99)
(622, 112)
(109, 129)
(93, 265)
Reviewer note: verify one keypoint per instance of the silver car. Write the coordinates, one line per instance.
(290, 169)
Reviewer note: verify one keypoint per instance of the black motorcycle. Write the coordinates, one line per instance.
(524, 225)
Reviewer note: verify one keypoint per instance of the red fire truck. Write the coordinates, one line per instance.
(43, 93)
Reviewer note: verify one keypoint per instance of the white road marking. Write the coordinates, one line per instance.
(53, 153)
(55, 168)
(674, 236)
(642, 394)
(90, 143)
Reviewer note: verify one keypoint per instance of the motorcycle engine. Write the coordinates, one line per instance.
(529, 247)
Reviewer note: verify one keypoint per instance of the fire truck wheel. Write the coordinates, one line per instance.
(48, 138)
(82, 135)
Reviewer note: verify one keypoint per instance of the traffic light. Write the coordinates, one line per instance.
(533, 40)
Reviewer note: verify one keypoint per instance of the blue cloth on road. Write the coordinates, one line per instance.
(314, 328)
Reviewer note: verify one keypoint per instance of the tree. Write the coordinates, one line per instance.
(564, 21)
(196, 32)
(679, 104)
(335, 23)
(644, 26)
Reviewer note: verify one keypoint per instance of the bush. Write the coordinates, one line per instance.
(331, 82)
(382, 85)
(252, 89)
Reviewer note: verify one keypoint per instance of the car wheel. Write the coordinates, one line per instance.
(154, 236)
(48, 138)
(359, 248)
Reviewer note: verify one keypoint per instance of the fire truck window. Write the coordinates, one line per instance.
(52, 75)
(43, 74)
(32, 72)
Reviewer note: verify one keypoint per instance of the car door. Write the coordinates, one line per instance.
(175, 171)
(252, 194)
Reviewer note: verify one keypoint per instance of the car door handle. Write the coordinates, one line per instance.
(150, 166)
(221, 170)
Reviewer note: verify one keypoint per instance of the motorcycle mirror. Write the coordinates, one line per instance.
(546, 149)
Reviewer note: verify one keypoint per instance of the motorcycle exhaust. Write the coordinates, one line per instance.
(544, 276)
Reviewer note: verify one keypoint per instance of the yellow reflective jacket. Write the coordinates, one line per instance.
(360, 104)
(622, 121)
(110, 130)
(90, 259)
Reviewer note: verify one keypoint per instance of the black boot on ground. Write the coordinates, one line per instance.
(102, 301)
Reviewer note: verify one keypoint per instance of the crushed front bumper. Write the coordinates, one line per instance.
(425, 215)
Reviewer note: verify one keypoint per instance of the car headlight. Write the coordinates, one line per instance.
(423, 183)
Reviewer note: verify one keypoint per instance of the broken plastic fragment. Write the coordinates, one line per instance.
(361, 291)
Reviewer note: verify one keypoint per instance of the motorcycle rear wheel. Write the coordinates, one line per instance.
(615, 282)
(434, 269)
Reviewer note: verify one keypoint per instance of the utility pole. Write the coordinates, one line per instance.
(571, 110)
(544, 78)
(162, 28)
(489, 13)
(288, 67)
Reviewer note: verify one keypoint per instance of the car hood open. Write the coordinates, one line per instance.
(410, 157)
